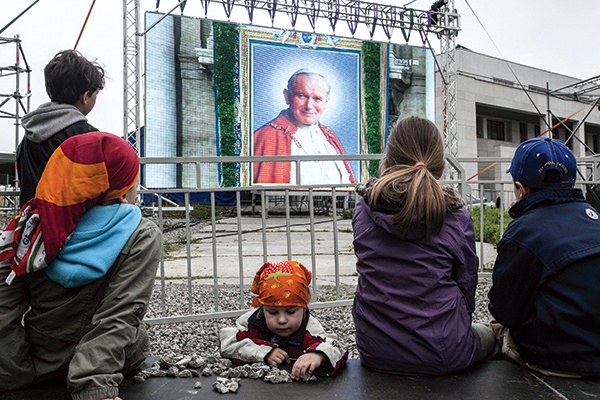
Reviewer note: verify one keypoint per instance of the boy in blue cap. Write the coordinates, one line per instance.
(547, 271)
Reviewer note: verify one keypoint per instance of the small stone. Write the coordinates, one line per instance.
(183, 362)
(197, 363)
(221, 385)
(277, 375)
(233, 385)
(152, 371)
(217, 369)
(244, 371)
(197, 385)
(211, 360)
(261, 371)
(186, 373)
(225, 362)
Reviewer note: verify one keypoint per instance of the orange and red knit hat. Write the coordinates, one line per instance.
(282, 284)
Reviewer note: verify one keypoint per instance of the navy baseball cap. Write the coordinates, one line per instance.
(535, 156)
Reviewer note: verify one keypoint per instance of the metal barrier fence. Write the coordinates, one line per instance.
(266, 223)
(272, 223)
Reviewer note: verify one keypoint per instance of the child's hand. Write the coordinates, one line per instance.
(277, 356)
(307, 363)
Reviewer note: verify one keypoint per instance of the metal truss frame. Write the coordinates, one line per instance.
(21, 99)
(448, 73)
(131, 73)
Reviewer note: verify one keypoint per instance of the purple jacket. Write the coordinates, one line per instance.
(415, 296)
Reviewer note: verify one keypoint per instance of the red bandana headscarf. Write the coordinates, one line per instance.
(282, 284)
(83, 171)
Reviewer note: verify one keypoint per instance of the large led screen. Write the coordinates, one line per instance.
(285, 94)
(180, 111)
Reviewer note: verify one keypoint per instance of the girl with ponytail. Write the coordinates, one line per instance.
(416, 260)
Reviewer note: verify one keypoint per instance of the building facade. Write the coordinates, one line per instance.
(500, 104)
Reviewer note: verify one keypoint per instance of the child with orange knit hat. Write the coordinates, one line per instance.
(280, 330)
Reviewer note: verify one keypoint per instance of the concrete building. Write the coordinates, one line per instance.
(500, 104)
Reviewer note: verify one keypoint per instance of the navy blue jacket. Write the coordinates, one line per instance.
(546, 280)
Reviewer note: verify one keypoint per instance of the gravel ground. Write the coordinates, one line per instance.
(200, 338)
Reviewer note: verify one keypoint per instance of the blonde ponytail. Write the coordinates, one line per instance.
(409, 185)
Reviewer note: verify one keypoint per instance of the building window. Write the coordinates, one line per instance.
(537, 131)
(596, 143)
(495, 130)
(479, 127)
(523, 131)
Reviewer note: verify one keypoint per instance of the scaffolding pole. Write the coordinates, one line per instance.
(19, 98)
(448, 72)
(131, 73)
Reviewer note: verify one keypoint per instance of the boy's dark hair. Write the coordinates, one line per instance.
(69, 74)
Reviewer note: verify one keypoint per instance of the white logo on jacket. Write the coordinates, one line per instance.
(591, 213)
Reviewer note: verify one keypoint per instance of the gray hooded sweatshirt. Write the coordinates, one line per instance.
(45, 129)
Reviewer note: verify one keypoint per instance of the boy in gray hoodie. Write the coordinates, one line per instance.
(72, 83)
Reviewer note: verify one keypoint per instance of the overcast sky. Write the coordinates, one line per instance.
(554, 35)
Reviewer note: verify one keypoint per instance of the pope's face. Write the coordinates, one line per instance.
(307, 98)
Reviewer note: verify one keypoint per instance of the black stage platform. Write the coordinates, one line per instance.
(495, 379)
